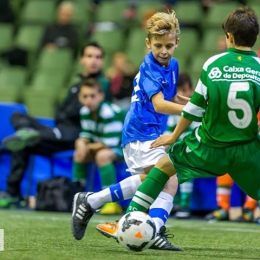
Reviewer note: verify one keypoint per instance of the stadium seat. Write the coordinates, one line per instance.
(145, 7)
(188, 45)
(39, 104)
(48, 84)
(42, 94)
(6, 110)
(29, 37)
(111, 41)
(6, 32)
(38, 12)
(55, 61)
(183, 64)
(252, 2)
(12, 82)
(209, 43)
(81, 15)
(111, 11)
(135, 48)
(189, 12)
(217, 13)
(196, 66)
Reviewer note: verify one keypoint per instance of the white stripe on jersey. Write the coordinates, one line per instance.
(194, 110)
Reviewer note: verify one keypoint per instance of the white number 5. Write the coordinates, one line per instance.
(237, 103)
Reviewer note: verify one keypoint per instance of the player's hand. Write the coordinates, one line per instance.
(163, 140)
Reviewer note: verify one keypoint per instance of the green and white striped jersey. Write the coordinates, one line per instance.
(227, 99)
(107, 128)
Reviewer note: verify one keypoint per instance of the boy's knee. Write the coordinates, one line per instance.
(104, 155)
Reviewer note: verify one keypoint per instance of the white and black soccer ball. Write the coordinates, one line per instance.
(136, 231)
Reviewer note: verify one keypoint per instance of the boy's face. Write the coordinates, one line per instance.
(90, 97)
(92, 60)
(163, 47)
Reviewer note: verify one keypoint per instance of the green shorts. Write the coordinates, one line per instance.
(193, 159)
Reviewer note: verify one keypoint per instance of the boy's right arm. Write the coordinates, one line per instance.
(165, 107)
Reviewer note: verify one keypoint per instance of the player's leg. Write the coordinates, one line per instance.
(195, 162)
(224, 186)
(153, 184)
(248, 210)
(245, 170)
(140, 158)
(185, 194)
(81, 211)
(105, 159)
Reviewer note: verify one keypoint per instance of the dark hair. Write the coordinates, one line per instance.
(183, 79)
(91, 82)
(92, 44)
(243, 24)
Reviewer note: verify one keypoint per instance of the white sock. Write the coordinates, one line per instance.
(161, 209)
(117, 192)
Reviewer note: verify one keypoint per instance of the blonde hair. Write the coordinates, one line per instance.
(161, 23)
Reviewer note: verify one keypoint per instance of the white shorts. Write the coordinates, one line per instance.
(138, 155)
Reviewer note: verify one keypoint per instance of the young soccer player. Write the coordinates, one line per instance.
(100, 138)
(154, 91)
(226, 100)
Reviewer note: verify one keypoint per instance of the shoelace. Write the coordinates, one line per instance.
(165, 234)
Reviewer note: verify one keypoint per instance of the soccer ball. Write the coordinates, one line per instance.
(136, 231)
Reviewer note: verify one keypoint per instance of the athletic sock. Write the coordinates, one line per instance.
(79, 171)
(107, 175)
(161, 209)
(117, 192)
(186, 189)
(148, 191)
(223, 197)
(250, 203)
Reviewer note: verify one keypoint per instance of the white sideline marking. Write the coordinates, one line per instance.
(2, 238)
(198, 225)
(54, 218)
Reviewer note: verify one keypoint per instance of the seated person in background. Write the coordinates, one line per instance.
(100, 138)
(31, 137)
(121, 74)
(182, 198)
(223, 194)
(61, 34)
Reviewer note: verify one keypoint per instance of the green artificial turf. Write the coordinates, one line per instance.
(33, 235)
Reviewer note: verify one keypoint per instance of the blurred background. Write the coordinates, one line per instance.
(37, 66)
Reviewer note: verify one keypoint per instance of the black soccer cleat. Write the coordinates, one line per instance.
(161, 242)
(81, 214)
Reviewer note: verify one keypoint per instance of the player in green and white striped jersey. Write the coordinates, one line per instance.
(226, 100)
(100, 138)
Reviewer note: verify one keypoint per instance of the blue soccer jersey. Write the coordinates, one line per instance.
(142, 122)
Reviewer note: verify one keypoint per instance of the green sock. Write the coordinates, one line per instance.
(148, 191)
(185, 194)
(107, 175)
(79, 171)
